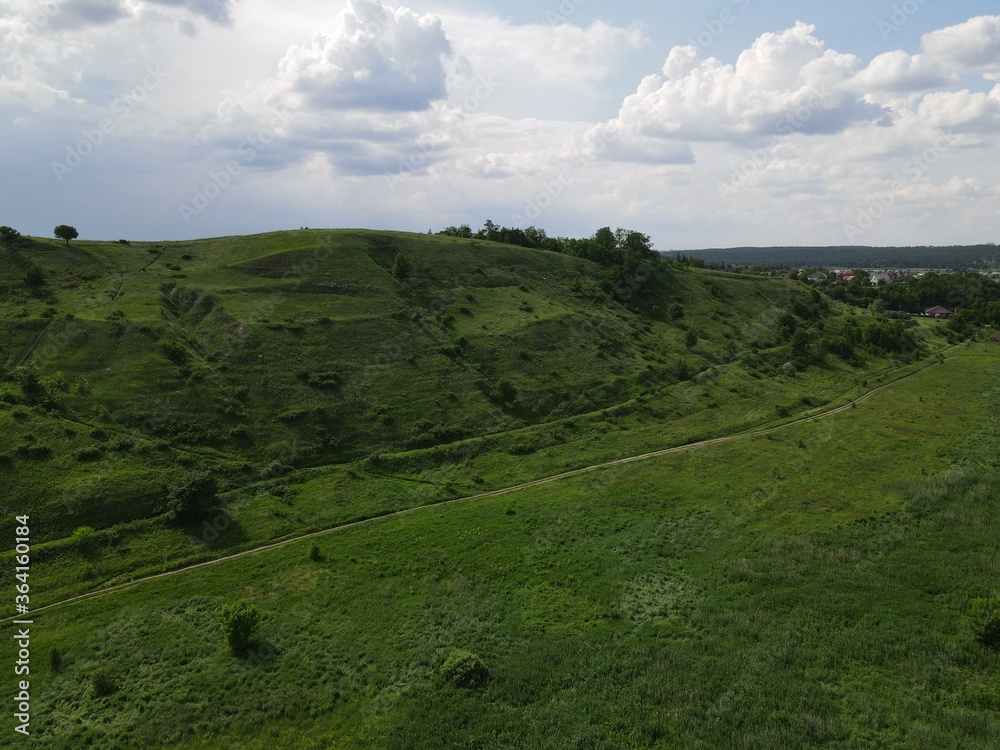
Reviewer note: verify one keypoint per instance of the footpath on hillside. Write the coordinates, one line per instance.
(813, 416)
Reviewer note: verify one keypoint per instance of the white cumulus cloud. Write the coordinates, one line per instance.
(897, 72)
(784, 83)
(972, 46)
(378, 58)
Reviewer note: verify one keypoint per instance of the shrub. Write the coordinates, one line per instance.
(84, 537)
(56, 660)
(985, 616)
(682, 370)
(401, 267)
(34, 277)
(34, 450)
(522, 449)
(315, 555)
(464, 669)
(103, 682)
(323, 380)
(175, 352)
(503, 392)
(240, 622)
(192, 495)
(88, 453)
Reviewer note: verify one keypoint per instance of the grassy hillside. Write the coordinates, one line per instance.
(798, 590)
(320, 386)
(298, 359)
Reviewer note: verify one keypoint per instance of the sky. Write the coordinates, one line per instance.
(703, 124)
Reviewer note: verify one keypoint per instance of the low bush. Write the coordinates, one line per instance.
(985, 617)
(465, 669)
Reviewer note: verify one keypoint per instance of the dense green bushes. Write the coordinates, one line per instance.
(464, 669)
(985, 617)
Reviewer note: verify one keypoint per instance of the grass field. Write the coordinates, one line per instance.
(805, 589)
(802, 588)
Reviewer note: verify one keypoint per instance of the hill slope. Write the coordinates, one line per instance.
(319, 387)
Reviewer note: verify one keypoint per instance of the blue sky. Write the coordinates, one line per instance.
(731, 122)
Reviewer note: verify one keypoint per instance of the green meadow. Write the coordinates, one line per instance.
(804, 587)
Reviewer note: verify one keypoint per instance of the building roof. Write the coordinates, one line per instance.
(995, 337)
(938, 310)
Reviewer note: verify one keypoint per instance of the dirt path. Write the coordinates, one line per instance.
(26, 354)
(483, 495)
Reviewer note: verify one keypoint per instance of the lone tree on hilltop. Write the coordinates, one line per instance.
(66, 232)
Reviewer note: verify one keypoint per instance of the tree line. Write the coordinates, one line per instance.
(610, 248)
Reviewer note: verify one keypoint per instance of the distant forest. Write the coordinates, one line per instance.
(954, 258)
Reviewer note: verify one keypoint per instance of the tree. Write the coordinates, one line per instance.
(604, 244)
(66, 232)
(490, 231)
(691, 338)
(34, 277)
(8, 236)
(401, 267)
(240, 622)
(192, 495)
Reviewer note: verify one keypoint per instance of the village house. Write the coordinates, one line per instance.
(884, 278)
(938, 312)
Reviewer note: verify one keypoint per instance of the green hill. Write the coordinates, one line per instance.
(320, 384)
(299, 357)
